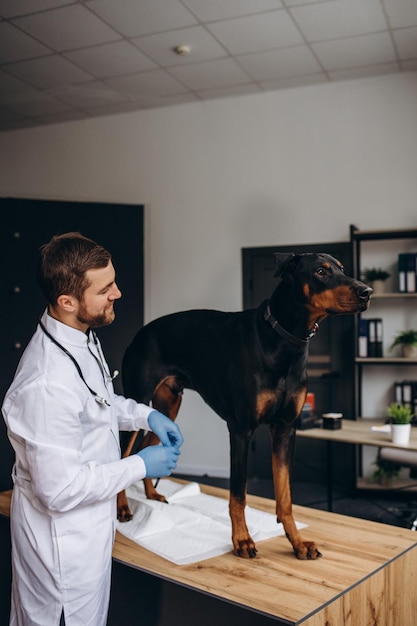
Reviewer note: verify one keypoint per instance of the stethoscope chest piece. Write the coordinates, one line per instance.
(101, 400)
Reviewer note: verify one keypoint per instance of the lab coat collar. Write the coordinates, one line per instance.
(64, 333)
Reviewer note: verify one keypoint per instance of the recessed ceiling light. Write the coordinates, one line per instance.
(182, 51)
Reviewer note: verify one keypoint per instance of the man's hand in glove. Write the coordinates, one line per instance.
(159, 460)
(168, 432)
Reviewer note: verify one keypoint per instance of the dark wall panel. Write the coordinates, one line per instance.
(26, 225)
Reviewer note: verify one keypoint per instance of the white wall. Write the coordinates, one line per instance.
(293, 166)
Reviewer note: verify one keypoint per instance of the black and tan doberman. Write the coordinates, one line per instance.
(250, 368)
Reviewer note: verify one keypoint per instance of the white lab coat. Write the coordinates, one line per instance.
(66, 476)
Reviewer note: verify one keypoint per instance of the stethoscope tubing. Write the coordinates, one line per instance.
(98, 398)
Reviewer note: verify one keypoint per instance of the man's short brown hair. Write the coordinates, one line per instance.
(64, 261)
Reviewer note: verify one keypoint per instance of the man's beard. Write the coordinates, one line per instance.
(95, 321)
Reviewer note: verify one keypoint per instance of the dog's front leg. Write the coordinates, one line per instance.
(281, 449)
(243, 544)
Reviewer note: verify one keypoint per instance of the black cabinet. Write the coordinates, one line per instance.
(26, 225)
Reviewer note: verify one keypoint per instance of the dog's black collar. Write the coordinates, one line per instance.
(268, 317)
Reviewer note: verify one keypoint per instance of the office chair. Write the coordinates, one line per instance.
(405, 458)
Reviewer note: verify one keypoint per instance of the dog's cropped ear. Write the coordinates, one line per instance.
(282, 259)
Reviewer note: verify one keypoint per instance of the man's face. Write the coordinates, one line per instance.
(96, 307)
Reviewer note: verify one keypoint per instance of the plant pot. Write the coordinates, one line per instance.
(379, 286)
(409, 352)
(400, 434)
(386, 480)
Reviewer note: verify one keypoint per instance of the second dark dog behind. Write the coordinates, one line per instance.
(250, 368)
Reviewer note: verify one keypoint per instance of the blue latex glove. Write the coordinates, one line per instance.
(159, 460)
(168, 432)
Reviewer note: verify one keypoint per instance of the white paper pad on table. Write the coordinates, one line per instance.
(193, 526)
(385, 428)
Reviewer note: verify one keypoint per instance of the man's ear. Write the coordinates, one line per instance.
(282, 260)
(66, 302)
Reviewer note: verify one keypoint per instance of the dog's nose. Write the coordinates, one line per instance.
(364, 293)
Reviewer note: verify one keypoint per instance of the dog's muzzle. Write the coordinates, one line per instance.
(364, 293)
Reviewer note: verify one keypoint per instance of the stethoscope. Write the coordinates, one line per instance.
(106, 375)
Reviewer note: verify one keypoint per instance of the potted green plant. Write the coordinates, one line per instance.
(376, 277)
(400, 416)
(386, 471)
(407, 339)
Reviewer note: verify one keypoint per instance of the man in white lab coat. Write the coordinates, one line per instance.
(63, 421)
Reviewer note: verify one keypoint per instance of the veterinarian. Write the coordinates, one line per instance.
(63, 421)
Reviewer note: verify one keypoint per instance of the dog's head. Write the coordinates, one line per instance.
(320, 283)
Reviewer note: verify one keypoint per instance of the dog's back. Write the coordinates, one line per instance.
(203, 349)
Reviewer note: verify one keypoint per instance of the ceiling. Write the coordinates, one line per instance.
(62, 60)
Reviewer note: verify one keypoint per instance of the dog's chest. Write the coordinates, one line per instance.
(283, 397)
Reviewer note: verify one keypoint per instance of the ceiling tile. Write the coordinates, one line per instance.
(227, 92)
(14, 8)
(409, 66)
(154, 83)
(89, 95)
(363, 72)
(40, 104)
(48, 72)
(111, 109)
(401, 13)
(57, 118)
(211, 74)
(339, 18)
(406, 42)
(257, 32)
(295, 81)
(7, 114)
(16, 124)
(67, 28)
(133, 18)
(147, 101)
(161, 47)
(11, 85)
(16, 46)
(111, 59)
(295, 3)
(209, 10)
(355, 51)
(278, 64)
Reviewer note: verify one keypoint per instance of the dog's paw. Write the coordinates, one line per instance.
(307, 550)
(245, 548)
(157, 496)
(124, 514)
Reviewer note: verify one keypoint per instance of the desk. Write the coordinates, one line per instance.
(357, 432)
(367, 574)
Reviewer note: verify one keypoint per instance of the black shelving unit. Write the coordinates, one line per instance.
(374, 374)
(359, 238)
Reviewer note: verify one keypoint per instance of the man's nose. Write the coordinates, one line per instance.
(115, 293)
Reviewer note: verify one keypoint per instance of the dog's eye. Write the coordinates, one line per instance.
(320, 271)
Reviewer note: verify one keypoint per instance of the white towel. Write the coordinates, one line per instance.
(193, 526)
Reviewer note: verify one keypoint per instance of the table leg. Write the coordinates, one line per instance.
(329, 476)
